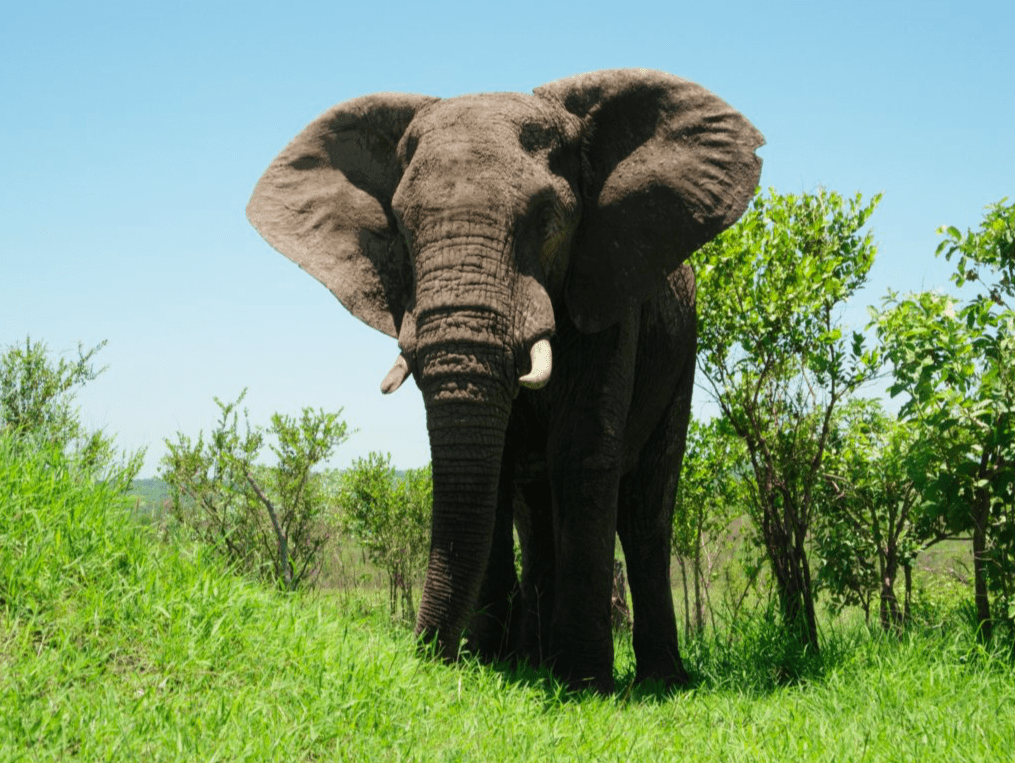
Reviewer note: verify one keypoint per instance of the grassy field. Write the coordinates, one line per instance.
(114, 647)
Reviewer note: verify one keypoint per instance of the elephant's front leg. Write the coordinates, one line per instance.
(584, 458)
(585, 517)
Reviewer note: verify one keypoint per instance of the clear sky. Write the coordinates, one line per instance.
(133, 133)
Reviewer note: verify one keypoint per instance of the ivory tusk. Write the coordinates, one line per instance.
(541, 357)
(398, 374)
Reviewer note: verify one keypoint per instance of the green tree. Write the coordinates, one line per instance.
(391, 518)
(37, 409)
(956, 363)
(710, 496)
(268, 520)
(869, 528)
(774, 357)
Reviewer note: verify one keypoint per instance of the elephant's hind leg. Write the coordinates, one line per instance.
(644, 523)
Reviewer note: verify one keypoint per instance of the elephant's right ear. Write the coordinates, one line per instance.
(325, 203)
(668, 166)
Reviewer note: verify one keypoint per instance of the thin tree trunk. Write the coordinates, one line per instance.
(620, 614)
(408, 608)
(907, 570)
(784, 544)
(796, 596)
(687, 602)
(891, 616)
(888, 569)
(981, 516)
(808, 596)
(708, 603)
(982, 597)
(283, 545)
(699, 614)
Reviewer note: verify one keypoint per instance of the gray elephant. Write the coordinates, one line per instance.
(526, 251)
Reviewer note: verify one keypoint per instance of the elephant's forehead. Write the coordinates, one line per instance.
(486, 111)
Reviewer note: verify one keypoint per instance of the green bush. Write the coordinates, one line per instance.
(37, 411)
(269, 521)
(391, 519)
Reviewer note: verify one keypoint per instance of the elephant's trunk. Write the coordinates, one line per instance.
(467, 413)
(466, 364)
(466, 442)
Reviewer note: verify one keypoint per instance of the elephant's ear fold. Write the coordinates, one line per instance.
(325, 203)
(669, 166)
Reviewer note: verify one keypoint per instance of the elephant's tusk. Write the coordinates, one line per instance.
(398, 374)
(541, 357)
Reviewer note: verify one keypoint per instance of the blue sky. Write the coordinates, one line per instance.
(133, 133)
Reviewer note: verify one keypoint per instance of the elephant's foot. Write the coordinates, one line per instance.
(493, 633)
(430, 644)
(489, 646)
(581, 680)
(586, 667)
(663, 665)
(672, 679)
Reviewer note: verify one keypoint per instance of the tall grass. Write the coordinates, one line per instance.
(114, 647)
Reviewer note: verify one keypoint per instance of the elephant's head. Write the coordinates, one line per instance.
(459, 226)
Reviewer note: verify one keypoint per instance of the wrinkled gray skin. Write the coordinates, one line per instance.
(472, 227)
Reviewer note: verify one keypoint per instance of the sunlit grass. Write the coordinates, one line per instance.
(114, 647)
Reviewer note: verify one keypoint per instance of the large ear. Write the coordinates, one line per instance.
(669, 166)
(325, 203)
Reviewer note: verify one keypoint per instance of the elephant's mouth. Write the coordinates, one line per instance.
(540, 369)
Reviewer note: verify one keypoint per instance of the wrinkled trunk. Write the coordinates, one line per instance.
(465, 370)
(471, 326)
(466, 442)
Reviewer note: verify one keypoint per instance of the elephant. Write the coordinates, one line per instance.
(528, 253)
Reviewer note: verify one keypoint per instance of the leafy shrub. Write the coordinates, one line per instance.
(37, 411)
(268, 521)
(391, 518)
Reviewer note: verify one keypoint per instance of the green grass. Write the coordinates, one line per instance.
(114, 647)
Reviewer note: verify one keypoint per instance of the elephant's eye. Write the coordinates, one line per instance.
(407, 148)
(535, 137)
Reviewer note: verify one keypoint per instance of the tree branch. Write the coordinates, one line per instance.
(282, 546)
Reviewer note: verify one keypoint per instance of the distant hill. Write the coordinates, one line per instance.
(152, 492)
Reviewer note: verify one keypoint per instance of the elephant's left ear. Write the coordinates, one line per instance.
(325, 203)
(669, 165)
